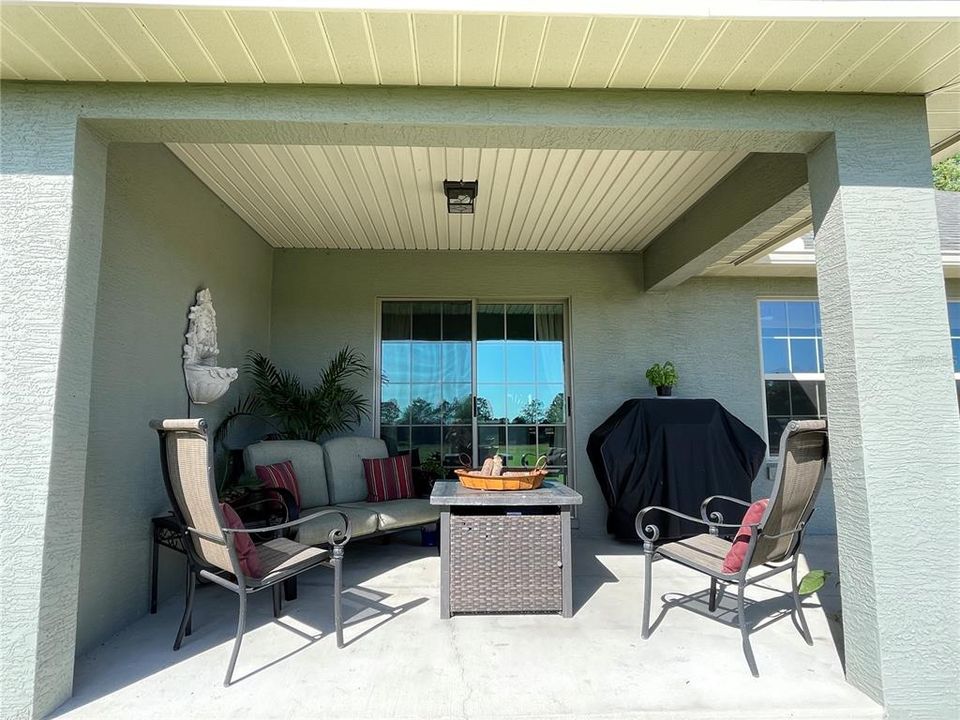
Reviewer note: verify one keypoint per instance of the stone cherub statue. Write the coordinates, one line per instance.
(205, 381)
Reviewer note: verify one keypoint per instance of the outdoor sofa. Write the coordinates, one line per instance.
(330, 475)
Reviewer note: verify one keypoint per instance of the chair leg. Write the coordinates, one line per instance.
(713, 594)
(647, 584)
(804, 630)
(338, 592)
(186, 620)
(241, 626)
(277, 600)
(745, 633)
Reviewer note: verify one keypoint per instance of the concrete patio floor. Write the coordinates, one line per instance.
(402, 661)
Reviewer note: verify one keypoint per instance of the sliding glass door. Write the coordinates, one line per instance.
(462, 380)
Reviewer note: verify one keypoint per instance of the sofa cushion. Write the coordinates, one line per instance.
(388, 478)
(307, 460)
(344, 466)
(316, 532)
(395, 514)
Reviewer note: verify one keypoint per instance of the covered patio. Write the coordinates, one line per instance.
(634, 174)
(592, 666)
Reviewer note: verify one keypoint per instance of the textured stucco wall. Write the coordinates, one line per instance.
(894, 423)
(323, 300)
(51, 197)
(164, 235)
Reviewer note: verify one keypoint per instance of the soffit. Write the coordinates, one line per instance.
(369, 197)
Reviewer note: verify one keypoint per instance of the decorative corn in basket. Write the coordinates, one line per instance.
(494, 476)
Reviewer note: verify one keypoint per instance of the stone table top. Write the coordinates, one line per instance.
(451, 492)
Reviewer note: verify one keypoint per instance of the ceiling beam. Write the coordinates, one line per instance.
(759, 193)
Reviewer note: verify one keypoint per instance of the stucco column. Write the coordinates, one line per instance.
(52, 175)
(892, 407)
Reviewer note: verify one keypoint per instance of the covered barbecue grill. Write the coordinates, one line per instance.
(672, 452)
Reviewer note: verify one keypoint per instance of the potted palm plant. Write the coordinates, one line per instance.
(663, 378)
(294, 412)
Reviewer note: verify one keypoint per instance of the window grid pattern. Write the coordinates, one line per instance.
(792, 358)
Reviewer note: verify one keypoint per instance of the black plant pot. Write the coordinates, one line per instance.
(664, 390)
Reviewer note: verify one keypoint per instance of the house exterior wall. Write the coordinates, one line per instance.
(707, 326)
(164, 236)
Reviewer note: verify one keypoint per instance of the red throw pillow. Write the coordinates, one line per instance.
(733, 562)
(388, 478)
(280, 475)
(243, 544)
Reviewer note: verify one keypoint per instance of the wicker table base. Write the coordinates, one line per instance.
(505, 552)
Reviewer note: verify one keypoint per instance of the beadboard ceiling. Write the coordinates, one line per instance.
(905, 47)
(367, 197)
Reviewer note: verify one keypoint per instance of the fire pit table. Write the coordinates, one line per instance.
(505, 551)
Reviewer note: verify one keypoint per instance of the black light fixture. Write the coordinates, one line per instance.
(460, 195)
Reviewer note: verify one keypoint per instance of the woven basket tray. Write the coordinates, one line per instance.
(522, 480)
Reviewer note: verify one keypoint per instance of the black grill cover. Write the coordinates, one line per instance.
(672, 452)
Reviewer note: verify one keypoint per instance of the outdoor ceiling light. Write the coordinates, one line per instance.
(460, 195)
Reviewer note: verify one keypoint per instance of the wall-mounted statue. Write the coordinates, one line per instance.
(205, 381)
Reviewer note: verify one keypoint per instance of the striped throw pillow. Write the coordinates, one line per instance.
(388, 478)
(280, 475)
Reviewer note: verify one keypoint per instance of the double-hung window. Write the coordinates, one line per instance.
(791, 349)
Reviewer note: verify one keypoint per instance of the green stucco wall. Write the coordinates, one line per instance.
(707, 326)
(164, 236)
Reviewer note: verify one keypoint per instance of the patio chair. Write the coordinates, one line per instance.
(775, 540)
(186, 461)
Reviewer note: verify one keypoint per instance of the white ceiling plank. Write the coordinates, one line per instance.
(927, 54)
(562, 45)
(296, 170)
(682, 57)
(34, 31)
(22, 60)
(592, 199)
(438, 172)
(352, 49)
(171, 32)
(87, 38)
(393, 47)
(262, 37)
(479, 48)
(512, 178)
(776, 40)
(223, 43)
(320, 184)
(292, 191)
(820, 40)
(436, 38)
(309, 47)
(520, 51)
(602, 51)
(736, 40)
(125, 30)
(210, 176)
(241, 160)
(642, 56)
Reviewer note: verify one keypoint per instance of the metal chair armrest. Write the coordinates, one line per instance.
(335, 537)
(717, 517)
(651, 533)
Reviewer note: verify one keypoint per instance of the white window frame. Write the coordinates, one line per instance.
(808, 377)
(956, 375)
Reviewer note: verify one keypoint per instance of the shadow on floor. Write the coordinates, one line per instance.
(215, 614)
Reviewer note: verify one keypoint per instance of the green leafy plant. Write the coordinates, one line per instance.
(946, 174)
(432, 466)
(298, 413)
(663, 375)
(813, 581)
